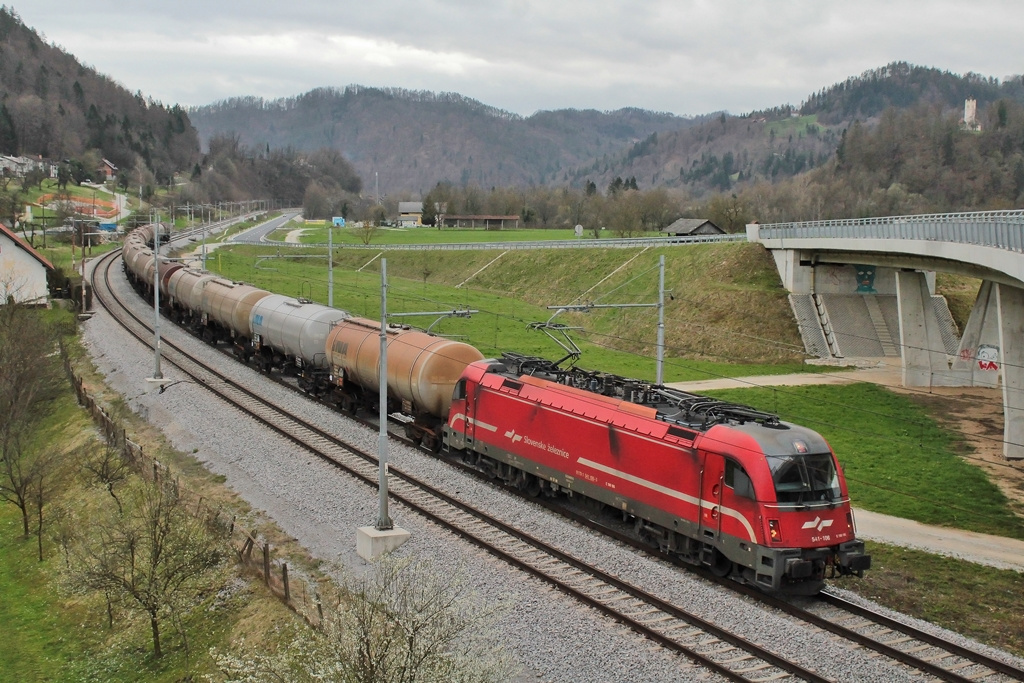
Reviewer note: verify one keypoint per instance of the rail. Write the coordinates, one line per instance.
(615, 243)
(996, 229)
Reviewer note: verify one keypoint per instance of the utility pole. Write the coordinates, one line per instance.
(661, 320)
(383, 520)
(330, 265)
(157, 375)
(374, 541)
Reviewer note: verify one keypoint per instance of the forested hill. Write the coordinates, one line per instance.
(414, 140)
(53, 105)
(902, 85)
(728, 153)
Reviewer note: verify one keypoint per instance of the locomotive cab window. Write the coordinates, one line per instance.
(459, 392)
(738, 480)
(804, 479)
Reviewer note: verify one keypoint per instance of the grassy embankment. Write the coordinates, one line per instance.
(718, 290)
(54, 634)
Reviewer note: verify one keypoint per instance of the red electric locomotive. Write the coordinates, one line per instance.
(716, 483)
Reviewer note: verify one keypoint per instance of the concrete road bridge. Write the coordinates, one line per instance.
(866, 288)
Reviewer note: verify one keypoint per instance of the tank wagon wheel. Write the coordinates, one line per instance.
(432, 442)
(348, 405)
(413, 434)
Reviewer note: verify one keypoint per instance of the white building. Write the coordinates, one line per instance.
(970, 120)
(22, 271)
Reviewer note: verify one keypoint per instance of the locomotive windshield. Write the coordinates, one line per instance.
(805, 478)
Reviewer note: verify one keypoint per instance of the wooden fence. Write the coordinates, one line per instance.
(253, 553)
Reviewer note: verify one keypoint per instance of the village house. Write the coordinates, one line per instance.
(410, 214)
(22, 271)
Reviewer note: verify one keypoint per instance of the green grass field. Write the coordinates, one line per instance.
(793, 125)
(897, 459)
(978, 601)
(54, 633)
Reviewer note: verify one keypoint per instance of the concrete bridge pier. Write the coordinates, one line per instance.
(976, 363)
(1011, 344)
(924, 357)
(992, 346)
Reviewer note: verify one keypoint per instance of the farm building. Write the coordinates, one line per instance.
(685, 227)
(410, 214)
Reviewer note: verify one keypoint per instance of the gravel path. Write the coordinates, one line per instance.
(553, 637)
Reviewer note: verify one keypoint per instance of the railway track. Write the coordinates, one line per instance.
(937, 657)
(668, 625)
(664, 623)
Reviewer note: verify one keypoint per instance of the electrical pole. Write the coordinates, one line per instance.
(383, 520)
(661, 320)
(157, 375)
(374, 541)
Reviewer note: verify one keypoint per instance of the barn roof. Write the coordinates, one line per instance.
(689, 226)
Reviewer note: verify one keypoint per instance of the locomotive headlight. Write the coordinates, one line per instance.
(774, 531)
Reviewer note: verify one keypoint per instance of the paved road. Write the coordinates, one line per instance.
(879, 373)
(258, 233)
(994, 551)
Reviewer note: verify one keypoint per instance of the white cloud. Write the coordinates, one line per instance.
(685, 56)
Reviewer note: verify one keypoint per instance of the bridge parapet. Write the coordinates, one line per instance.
(995, 229)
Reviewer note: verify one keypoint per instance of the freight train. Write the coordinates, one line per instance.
(717, 484)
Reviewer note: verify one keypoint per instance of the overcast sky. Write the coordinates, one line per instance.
(680, 56)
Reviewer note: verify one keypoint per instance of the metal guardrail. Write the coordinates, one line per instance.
(632, 243)
(996, 229)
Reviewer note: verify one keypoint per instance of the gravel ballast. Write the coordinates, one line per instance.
(552, 636)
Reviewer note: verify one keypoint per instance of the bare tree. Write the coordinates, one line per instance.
(403, 622)
(29, 380)
(624, 213)
(154, 556)
(110, 469)
(367, 231)
(48, 470)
